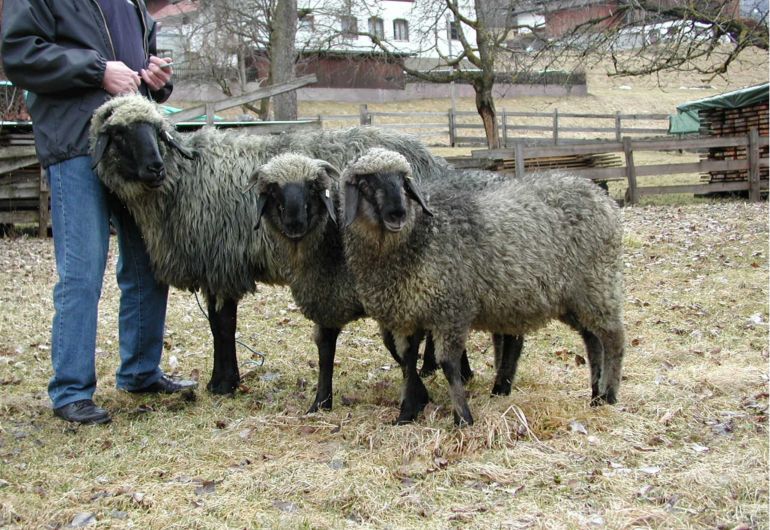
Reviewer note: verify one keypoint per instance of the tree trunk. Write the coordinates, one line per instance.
(485, 105)
(282, 56)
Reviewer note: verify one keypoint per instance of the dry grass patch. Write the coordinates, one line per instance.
(685, 448)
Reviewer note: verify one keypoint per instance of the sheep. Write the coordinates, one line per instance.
(186, 196)
(507, 259)
(298, 199)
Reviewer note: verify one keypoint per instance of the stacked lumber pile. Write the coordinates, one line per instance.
(733, 122)
(543, 163)
(22, 188)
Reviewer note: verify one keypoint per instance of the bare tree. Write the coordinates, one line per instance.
(283, 31)
(640, 37)
(227, 38)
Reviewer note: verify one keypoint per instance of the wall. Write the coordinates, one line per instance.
(196, 92)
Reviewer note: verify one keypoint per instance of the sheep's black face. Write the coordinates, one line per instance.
(138, 152)
(295, 209)
(378, 198)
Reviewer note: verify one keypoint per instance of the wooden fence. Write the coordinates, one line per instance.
(525, 157)
(464, 128)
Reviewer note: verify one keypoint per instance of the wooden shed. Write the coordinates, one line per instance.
(24, 196)
(730, 114)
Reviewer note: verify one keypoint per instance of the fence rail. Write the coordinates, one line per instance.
(755, 185)
(464, 128)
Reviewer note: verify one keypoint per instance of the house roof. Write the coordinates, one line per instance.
(175, 9)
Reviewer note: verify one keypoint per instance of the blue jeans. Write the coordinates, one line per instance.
(80, 213)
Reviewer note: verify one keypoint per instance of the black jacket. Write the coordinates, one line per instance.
(58, 50)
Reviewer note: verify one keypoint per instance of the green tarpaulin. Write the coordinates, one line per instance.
(688, 121)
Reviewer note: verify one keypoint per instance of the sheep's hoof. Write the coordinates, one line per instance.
(465, 420)
(317, 405)
(608, 398)
(428, 369)
(409, 414)
(501, 389)
(222, 387)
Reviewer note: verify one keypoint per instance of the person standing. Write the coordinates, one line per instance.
(71, 57)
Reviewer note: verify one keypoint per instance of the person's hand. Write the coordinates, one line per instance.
(157, 73)
(120, 79)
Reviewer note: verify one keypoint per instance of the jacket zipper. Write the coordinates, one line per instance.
(107, 29)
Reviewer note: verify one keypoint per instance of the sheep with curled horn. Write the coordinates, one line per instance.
(297, 204)
(186, 195)
(507, 259)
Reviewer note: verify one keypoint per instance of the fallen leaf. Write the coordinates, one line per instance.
(207, 487)
(285, 506)
(577, 427)
(698, 448)
(83, 519)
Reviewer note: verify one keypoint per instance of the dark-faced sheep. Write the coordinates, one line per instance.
(186, 194)
(507, 260)
(298, 203)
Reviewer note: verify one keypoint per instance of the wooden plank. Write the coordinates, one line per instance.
(694, 188)
(261, 93)
(8, 165)
(18, 216)
(691, 167)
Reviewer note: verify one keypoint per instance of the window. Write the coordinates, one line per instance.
(349, 27)
(376, 27)
(454, 30)
(306, 22)
(400, 29)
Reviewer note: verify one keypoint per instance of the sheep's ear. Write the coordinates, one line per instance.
(100, 147)
(253, 180)
(332, 171)
(326, 197)
(351, 202)
(189, 154)
(261, 203)
(414, 192)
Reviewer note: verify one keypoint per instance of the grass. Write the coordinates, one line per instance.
(686, 447)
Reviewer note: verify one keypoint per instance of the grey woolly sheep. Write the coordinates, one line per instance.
(298, 199)
(186, 196)
(508, 259)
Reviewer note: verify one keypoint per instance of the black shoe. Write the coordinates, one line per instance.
(165, 385)
(83, 411)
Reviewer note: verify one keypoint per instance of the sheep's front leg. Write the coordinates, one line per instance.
(507, 353)
(326, 342)
(225, 377)
(414, 395)
(449, 351)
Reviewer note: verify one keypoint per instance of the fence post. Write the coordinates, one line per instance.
(452, 137)
(617, 126)
(43, 215)
(518, 157)
(632, 193)
(505, 128)
(753, 152)
(555, 126)
(364, 117)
